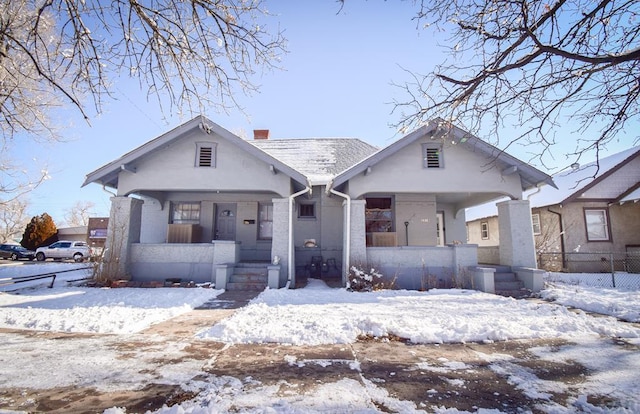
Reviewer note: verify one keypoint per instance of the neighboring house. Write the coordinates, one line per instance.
(75, 233)
(94, 233)
(201, 204)
(593, 212)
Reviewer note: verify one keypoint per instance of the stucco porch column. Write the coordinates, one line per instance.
(517, 248)
(123, 230)
(358, 243)
(280, 238)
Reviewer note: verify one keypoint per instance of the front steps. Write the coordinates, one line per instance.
(249, 277)
(507, 284)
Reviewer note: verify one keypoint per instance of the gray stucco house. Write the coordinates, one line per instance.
(589, 223)
(199, 203)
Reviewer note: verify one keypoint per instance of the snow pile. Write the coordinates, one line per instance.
(621, 303)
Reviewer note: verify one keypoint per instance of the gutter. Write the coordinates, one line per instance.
(290, 269)
(347, 244)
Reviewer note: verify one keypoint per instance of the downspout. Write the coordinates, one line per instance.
(347, 247)
(291, 251)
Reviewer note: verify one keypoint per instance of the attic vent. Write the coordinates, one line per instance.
(432, 156)
(206, 154)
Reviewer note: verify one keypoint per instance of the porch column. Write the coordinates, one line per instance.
(280, 238)
(358, 245)
(517, 246)
(123, 230)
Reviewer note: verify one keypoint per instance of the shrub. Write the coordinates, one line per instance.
(360, 280)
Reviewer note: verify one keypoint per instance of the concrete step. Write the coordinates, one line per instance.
(248, 278)
(504, 277)
(235, 286)
(515, 285)
(517, 294)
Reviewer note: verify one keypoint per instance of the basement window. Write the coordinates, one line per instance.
(432, 156)
(206, 154)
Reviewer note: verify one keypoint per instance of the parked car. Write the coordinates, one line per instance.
(16, 252)
(63, 249)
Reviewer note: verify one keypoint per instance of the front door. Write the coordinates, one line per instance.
(225, 228)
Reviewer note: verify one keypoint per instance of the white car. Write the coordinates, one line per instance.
(63, 249)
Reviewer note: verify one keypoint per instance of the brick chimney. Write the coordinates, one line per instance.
(260, 134)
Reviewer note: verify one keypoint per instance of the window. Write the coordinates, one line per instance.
(484, 230)
(206, 154)
(431, 156)
(597, 223)
(535, 220)
(306, 210)
(265, 225)
(378, 217)
(185, 213)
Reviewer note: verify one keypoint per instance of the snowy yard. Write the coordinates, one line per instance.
(317, 316)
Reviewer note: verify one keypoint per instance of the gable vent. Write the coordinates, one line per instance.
(432, 157)
(205, 157)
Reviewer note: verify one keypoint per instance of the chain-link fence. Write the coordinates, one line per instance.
(608, 269)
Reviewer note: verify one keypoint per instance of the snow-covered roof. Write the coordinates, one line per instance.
(319, 159)
(570, 182)
(633, 196)
(575, 180)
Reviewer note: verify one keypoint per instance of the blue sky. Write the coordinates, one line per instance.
(336, 82)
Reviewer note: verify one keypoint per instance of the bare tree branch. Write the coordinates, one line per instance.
(535, 68)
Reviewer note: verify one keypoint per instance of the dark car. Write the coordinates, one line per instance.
(16, 252)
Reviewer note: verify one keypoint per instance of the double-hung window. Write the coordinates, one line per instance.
(535, 221)
(265, 225)
(484, 230)
(597, 224)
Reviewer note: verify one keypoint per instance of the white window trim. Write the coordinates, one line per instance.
(482, 231)
(535, 222)
(606, 225)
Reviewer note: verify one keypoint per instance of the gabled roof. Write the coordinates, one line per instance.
(530, 177)
(319, 159)
(108, 174)
(573, 182)
(570, 184)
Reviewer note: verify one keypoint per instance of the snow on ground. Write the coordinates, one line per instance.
(316, 315)
(319, 315)
(69, 308)
(622, 303)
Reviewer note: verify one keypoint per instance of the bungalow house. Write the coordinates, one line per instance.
(201, 204)
(591, 222)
